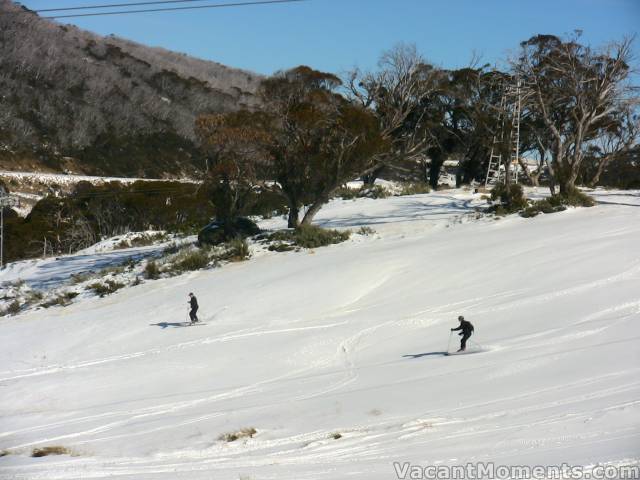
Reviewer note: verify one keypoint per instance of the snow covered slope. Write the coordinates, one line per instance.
(347, 341)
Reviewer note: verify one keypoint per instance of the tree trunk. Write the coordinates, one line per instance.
(294, 213)
(369, 178)
(437, 159)
(314, 209)
(596, 178)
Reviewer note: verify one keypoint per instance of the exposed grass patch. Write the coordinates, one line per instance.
(79, 278)
(236, 250)
(142, 240)
(281, 247)
(375, 191)
(189, 260)
(108, 287)
(151, 270)
(46, 451)
(233, 436)
(414, 188)
(365, 231)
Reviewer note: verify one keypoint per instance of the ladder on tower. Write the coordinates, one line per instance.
(510, 105)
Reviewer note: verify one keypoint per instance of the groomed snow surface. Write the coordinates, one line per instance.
(347, 341)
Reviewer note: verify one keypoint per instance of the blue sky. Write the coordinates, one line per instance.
(335, 35)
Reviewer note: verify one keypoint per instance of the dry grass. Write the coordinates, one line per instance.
(53, 450)
(233, 436)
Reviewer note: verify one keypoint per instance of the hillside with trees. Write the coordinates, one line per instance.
(73, 100)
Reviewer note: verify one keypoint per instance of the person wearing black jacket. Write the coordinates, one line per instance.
(467, 330)
(193, 301)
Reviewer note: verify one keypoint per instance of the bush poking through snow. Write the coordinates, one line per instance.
(12, 309)
(376, 191)
(365, 231)
(45, 451)
(236, 250)
(281, 247)
(106, 288)
(151, 270)
(511, 198)
(309, 236)
(189, 260)
(233, 436)
(336, 436)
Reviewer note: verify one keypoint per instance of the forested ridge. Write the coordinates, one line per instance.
(73, 100)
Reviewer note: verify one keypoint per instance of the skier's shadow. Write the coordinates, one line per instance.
(426, 354)
(164, 325)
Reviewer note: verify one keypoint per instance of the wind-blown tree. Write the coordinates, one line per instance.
(398, 92)
(319, 139)
(576, 92)
(306, 139)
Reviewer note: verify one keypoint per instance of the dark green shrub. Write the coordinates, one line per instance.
(576, 198)
(219, 232)
(511, 198)
(310, 236)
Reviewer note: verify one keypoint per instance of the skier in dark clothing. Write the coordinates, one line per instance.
(467, 330)
(193, 301)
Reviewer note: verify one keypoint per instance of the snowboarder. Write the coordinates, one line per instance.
(467, 330)
(193, 302)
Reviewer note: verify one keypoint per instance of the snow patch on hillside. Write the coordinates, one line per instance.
(335, 356)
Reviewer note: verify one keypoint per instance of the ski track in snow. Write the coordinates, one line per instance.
(545, 388)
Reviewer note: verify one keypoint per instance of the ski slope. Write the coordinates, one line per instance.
(348, 340)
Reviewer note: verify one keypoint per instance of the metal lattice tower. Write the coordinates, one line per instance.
(508, 118)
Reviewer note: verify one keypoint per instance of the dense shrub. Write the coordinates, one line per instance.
(108, 287)
(189, 260)
(558, 203)
(218, 232)
(310, 236)
(511, 197)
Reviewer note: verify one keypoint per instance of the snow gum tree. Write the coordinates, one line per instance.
(305, 139)
(577, 93)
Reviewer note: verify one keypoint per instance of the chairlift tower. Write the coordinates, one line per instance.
(508, 118)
